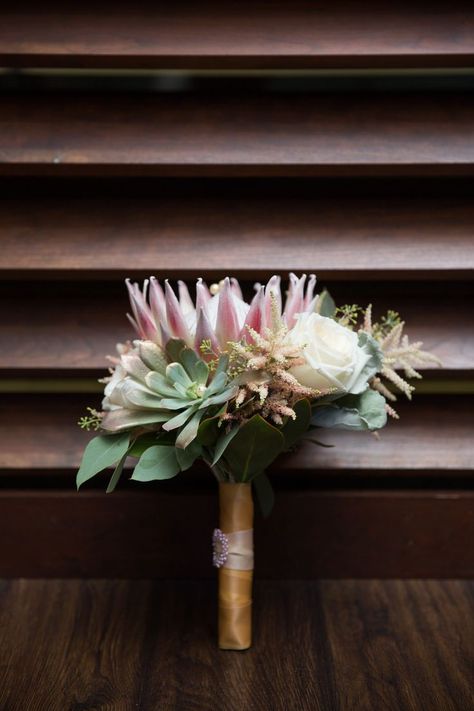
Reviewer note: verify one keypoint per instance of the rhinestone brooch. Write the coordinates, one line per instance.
(220, 548)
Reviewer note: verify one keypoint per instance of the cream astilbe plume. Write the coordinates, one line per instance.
(398, 354)
(261, 365)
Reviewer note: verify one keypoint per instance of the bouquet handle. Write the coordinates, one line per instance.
(235, 544)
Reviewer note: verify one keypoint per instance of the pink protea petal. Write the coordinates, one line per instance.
(134, 324)
(236, 290)
(143, 317)
(185, 301)
(165, 335)
(176, 323)
(132, 293)
(203, 295)
(295, 300)
(157, 301)
(227, 326)
(204, 332)
(256, 315)
(309, 299)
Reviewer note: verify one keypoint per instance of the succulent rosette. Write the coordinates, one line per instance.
(234, 383)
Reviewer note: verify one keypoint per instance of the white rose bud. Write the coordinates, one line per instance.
(333, 356)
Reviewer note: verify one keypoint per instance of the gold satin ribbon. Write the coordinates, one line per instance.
(235, 586)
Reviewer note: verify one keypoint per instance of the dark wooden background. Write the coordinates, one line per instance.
(357, 166)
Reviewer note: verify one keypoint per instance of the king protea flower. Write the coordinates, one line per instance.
(219, 317)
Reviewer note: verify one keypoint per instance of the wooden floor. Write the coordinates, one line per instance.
(77, 645)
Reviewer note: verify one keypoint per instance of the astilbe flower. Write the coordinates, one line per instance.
(261, 367)
(398, 353)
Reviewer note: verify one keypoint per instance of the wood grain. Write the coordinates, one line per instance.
(73, 326)
(237, 134)
(165, 532)
(340, 235)
(237, 35)
(320, 646)
(41, 435)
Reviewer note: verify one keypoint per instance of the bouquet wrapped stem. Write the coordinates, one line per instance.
(234, 384)
(236, 574)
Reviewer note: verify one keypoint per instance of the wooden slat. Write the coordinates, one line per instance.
(237, 134)
(41, 435)
(167, 535)
(121, 644)
(71, 328)
(238, 35)
(341, 236)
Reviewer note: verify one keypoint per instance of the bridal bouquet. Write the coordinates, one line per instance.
(235, 384)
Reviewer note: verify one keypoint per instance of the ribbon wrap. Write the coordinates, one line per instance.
(236, 572)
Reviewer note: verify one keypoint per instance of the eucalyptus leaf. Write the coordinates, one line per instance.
(325, 305)
(353, 412)
(264, 493)
(256, 445)
(186, 457)
(114, 479)
(293, 430)
(222, 443)
(208, 431)
(101, 452)
(158, 462)
(142, 443)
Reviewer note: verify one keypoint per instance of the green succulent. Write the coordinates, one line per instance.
(176, 394)
(184, 389)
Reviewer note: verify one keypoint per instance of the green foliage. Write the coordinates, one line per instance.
(101, 452)
(352, 412)
(293, 430)
(386, 324)
(348, 314)
(187, 457)
(209, 430)
(325, 305)
(264, 493)
(142, 443)
(374, 364)
(114, 479)
(92, 421)
(223, 442)
(255, 446)
(158, 462)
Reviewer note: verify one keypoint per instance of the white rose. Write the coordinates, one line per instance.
(333, 356)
